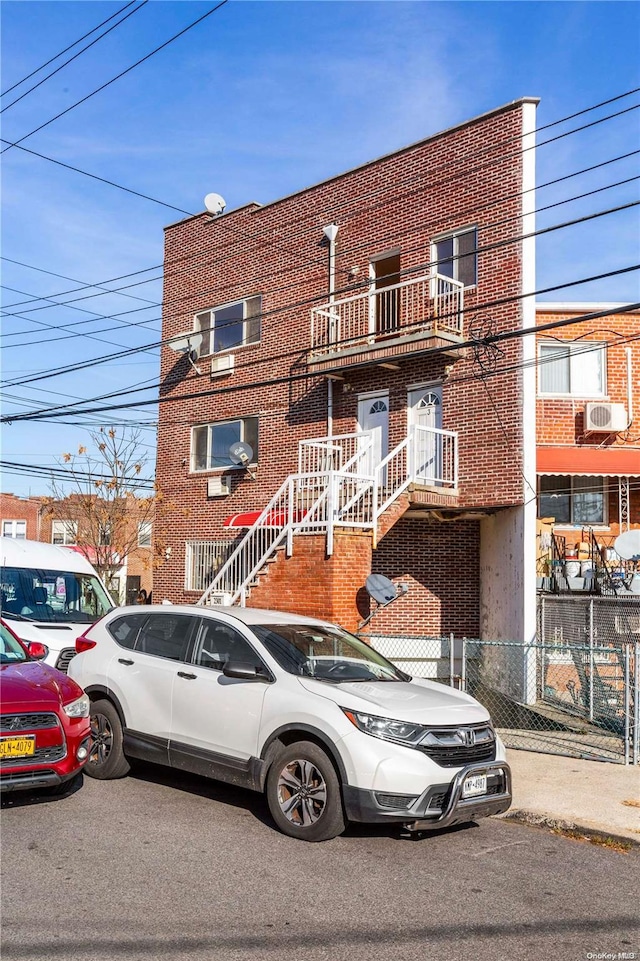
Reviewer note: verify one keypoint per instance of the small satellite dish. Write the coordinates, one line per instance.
(380, 588)
(215, 204)
(240, 454)
(627, 545)
(189, 343)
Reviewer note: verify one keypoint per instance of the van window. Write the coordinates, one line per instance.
(59, 597)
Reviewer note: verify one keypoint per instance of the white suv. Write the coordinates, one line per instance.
(290, 706)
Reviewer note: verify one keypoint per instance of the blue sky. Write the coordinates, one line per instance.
(258, 101)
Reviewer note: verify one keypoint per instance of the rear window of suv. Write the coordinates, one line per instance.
(124, 630)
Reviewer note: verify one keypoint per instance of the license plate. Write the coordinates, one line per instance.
(474, 784)
(17, 746)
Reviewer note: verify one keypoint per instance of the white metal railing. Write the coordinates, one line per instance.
(319, 500)
(430, 303)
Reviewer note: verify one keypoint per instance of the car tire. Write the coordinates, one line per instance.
(106, 757)
(303, 793)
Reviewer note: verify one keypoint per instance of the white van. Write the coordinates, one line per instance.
(49, 594)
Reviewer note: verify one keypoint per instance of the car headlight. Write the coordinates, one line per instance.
(78, 708)
(403, 732)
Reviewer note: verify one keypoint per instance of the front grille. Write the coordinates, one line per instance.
(64, 657)
(11, 723)
(459, 755)
(42, 755)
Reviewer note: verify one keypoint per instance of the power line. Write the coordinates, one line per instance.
(76, 55)
(62, 52)
(118, 76)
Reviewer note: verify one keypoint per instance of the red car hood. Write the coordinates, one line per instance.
(33, 685)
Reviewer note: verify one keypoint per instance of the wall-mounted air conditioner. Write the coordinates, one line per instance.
(218, 486)
(604, 418)
(219, 599)
(223, 364)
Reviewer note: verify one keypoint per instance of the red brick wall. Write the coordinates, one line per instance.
(469, 176)
(14, 508)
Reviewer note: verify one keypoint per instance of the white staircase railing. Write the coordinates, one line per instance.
(340, 490)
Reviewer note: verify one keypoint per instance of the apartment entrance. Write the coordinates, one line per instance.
(425, 411)
(373, 415)
(384, 303)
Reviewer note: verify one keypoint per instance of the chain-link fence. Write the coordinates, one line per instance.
(561, 697)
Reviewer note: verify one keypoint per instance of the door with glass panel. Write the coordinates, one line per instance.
(425, 413)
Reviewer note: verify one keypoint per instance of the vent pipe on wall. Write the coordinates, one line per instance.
(331, 232)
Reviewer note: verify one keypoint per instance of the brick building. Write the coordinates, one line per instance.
(588, 453)
(20, 516)
(330, 333)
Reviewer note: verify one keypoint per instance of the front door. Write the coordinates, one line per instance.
(425, 413)
(384, 304)
(373, 416)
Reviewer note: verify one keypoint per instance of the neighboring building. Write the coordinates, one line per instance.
(20, 516)
(588, 443)
(333, 330)
(69, 524)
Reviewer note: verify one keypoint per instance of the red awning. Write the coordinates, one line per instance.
(601, 461)
(248, 519)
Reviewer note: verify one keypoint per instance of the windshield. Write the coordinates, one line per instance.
(326, 653)
(59, 597)
(11, 650)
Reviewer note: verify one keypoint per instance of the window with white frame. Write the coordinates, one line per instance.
(144, 534)
(203, 560)
(573, 500)
(231, 325)
(210, 443)
(15, 529)
(456, 256)
(577, 368)
(64, 532)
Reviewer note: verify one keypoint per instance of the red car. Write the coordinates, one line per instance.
(44, 719)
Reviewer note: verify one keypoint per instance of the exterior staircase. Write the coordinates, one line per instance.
(338, 485)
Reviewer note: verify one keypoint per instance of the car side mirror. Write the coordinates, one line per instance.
(37, 650)
(243, 671)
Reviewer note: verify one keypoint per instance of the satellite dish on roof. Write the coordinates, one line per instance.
(240, 453)
(380, 588)
(627, 545)
(215, 204)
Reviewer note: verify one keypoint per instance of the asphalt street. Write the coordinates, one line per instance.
(156, 866)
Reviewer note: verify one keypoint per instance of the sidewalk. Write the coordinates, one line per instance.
(573, 793)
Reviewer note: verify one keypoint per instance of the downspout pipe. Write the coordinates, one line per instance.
(331, 232)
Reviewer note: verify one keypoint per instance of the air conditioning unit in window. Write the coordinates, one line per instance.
(223, 364)
(218, 486)
(219, 599)
(604, 418)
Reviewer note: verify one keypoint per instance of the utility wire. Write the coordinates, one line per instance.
(118, 76)
(75, 56)
(62, 52)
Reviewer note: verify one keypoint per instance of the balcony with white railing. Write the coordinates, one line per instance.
(406, 318)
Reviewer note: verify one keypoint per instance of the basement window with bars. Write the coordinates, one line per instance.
(229, 326)
(210, 443)
(456, 256)
(203, 560)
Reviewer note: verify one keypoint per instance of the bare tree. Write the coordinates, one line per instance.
(105, 497)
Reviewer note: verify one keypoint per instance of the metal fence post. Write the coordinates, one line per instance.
(451, 661)
(463, 666)
(636, 704)
(591, 660)
(627, 704)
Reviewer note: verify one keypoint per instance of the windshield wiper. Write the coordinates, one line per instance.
(17, 617)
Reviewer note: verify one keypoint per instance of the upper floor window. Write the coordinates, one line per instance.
(456, 256)
(144, 534)
(15, 529)
(576, 368)
(210, 443)
(64, 532)
(230, 326)
(572, 500)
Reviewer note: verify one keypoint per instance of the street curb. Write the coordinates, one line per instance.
(561, 824)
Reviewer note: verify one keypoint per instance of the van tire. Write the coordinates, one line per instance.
(303, 793)
(106, 757)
